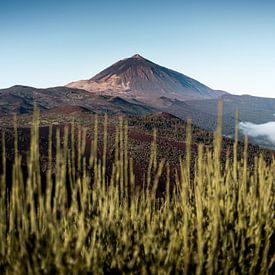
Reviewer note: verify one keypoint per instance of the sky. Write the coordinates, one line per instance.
(227, 45)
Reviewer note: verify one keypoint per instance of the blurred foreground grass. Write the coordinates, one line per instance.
(218, 221)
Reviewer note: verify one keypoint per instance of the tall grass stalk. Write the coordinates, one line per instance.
(218, 219)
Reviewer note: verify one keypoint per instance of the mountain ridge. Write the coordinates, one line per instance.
(137, 86)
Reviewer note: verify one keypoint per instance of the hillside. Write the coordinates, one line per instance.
(21, 100)
(251, 108)
(171, 136)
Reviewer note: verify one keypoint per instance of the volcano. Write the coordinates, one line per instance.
(143, 80)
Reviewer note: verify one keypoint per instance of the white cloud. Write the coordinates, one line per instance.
(266, 130)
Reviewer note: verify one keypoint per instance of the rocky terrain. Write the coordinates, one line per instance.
(171, 137)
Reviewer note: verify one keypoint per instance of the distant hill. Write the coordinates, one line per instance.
(137, 77)
(62, 100)
(21, 100)
(251, 108)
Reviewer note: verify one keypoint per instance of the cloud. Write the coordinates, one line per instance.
(266, 130)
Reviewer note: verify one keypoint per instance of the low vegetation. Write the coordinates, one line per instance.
(217, 219)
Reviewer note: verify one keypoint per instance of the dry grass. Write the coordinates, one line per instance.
(219, 222)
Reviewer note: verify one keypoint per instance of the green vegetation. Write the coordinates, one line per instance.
(217, 220)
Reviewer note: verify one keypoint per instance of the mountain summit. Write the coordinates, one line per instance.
(139, 78)
(137, 56)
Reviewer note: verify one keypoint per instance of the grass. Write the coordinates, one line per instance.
(218, 221)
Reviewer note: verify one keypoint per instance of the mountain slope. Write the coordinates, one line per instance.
(21, 100)
(251, 108)
(137, 77)
(200, 117)
(63, 100)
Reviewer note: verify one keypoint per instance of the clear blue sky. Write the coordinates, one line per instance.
(227, 45)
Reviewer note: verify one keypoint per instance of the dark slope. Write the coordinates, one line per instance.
(251, 108)
(21, 100)
(200, 118)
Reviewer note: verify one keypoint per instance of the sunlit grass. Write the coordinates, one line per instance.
(218, 221)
